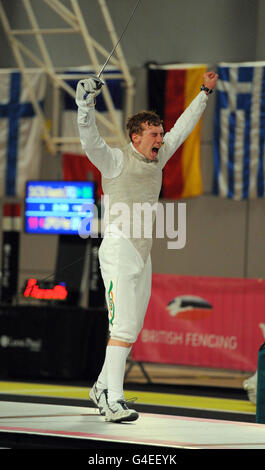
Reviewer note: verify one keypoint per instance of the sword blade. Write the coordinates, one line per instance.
(119, 40)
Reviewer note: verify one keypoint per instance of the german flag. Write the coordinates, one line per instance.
(171, 88)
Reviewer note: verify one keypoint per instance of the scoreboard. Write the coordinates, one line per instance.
(58, 207)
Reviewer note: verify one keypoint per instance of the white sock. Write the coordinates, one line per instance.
(102, 381)
(116, 357)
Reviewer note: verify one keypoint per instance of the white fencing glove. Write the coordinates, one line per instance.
(87, 90)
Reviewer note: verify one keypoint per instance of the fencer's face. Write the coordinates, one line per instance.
(149, 141)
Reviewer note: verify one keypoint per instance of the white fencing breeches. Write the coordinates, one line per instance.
(127, 283)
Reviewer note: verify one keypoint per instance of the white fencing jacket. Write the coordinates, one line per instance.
(129, 179)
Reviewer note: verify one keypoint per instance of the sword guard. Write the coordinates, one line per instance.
(99, 82)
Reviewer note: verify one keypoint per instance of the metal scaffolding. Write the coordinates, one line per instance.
(75, 25)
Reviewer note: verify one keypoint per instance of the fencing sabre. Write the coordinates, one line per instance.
(119, 40)
(97, 77)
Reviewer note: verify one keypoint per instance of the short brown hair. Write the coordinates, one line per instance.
(134, 123)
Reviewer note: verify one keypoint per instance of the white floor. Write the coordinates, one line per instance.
(153, 429)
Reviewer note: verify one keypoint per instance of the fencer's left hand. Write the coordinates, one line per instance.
(210, 79)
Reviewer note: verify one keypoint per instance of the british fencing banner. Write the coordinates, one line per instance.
(76, 165)
(203, 321)
(239, 131)
(171, 88)
(20, 130)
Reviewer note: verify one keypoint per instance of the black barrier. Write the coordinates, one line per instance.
(260, 406)
(10, 251)
(52, 342)
(70, 265)
(96, 294)
(10, 257)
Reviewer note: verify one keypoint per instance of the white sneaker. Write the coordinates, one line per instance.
(119, 411)
(250, 385)
(99, 398)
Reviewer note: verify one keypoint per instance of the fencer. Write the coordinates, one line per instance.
(130, 175)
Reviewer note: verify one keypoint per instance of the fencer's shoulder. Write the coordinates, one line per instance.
(127, 150)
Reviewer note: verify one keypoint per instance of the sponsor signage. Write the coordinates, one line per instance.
(203, 321)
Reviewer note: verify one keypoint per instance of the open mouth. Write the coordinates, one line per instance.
(155, 151)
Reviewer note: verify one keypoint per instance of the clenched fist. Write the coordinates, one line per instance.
(210, 79)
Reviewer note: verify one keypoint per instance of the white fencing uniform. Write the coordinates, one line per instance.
(128, 287)
(129, 178)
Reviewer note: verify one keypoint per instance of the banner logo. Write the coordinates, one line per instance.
(189, 307)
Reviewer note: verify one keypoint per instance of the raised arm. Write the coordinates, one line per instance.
(188, 120)
(108, 160)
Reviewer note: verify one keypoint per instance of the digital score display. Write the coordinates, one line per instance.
(43, 290)
(58, 207)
